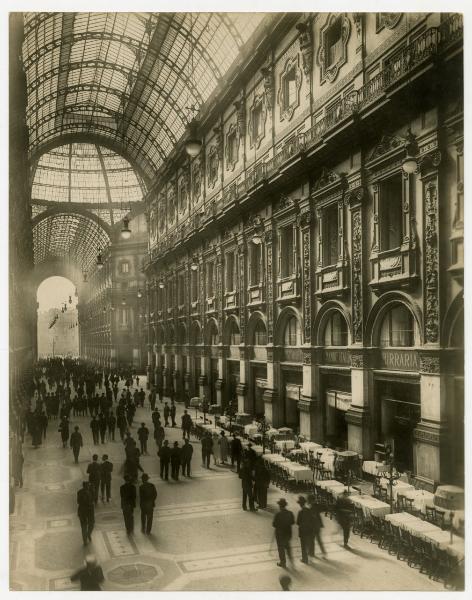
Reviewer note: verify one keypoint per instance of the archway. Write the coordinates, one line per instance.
(57, 322)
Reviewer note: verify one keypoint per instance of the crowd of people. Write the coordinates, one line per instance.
(62, 388)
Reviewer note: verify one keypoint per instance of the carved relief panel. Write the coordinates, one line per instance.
(332, 51)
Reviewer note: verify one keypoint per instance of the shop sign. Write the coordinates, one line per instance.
(337, 357)
(399, 360)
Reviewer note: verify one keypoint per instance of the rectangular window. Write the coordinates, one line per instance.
(391, 213)
(330, 236)
(256, 266)
(334, 43)
(209, 281)
(232, 148)
(229, 268)
(124, 268)
(257, 121)
(194, 279)
(181, 290)
(290, 89)
(287, 262)
(124, 316)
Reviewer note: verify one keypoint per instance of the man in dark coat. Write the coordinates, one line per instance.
(85, 512)
(261, 482)
(317, 526)
(143, 435)
(186, 425)
(95, 427)
(122, 423)
(166, 414)
(102, 424)
(305, 528)
(141, 396)
(282, 524)
(90, 577)
(186, 457)
(207, 449)
(111, 423)
(76, 443)
(93, 471)
(128, 504)
(147, 500)
(344, 515)
(156, 417)
(106, 469)
(236, 449)
(164, 457)
(152, 399)
(175, 461)
(159, 435)
(247, 480)
(173, 412)
(64, 430)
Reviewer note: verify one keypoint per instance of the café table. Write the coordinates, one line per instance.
(371, 467)
(399, 486)
(413, 525)
(285, 444)
(400, 518)
(457, 548)
(274, 458)
(421, 498)
(328, 457)
(370, 506)
(324, 484)
(313, 446)
(250, 429)
(298, 472)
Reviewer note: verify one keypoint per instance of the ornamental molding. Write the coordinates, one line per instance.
(213, 165)
(388, 145)
(231, 162)
(387, 20)
(329, 185)
(268, 79)
(433, 434)
(356, 287)
(430, 363)
(287, 111)
(329, 72)
(359, 360)
(305, 40)
(196, 179)
(240, 107)
(259, 99)
(431, 251)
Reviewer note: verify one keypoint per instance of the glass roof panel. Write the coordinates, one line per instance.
(133, 67)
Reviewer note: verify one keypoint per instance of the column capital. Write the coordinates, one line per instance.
(434, 434)
(308, 404)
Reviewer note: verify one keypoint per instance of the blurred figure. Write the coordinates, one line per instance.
(317, 526)
(90, 576)
(86, 512)
(76, 443)
(344, 516)
(147, 501)
(175, 461)
(285, 582)
(282, 524)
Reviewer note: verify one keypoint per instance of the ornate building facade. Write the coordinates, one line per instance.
(308, 264)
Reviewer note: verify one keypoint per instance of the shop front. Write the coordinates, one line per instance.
(292, 384)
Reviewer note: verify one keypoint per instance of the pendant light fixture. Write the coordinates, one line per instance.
(123, 301)
(410, 163)
(99, 260)
(70, 299)
(161, 284)
(126, 231)
(193, 143)
(76, 294)
(194, 264)
(140, 294)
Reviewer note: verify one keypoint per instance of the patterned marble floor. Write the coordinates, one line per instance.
(201, 538)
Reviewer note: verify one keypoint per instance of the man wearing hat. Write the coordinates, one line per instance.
(344, 515)
(317, 525)
(282, 524)
(90, 576)
(86, 512)
(147, 500)
(128, 503)
(305, 528)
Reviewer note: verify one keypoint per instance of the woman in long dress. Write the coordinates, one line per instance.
(216, 449)
(224, 447)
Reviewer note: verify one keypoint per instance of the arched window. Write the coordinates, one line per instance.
(196, 334)
(260, 334)
(292, 335)
(171, 336)
(182, 337)
(398, 328)
(335, 333)
(213, 334)
(234, 335)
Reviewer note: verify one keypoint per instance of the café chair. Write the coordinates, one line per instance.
(426, 549)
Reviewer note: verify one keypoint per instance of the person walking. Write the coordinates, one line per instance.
(90, 576)
(186, 425)
(121, 423)
(111, 424)
(207, 449)
(152, 399)
(261, 483)
(102, 424)
(166, 414)
(344, 516)
(317, 526)
(86, 512)
(106, 469)
(147, 501)
(76, 443)
(186, 457)
(159, 435)
(216, 449)
(224, 447)
(128, 504)
(173, 412)
(305, 528)
(282, 524)
(95, 427)
(44, 421)
(64, 431)
(143, 435)
(93, 471)
(164, 458)
(175, 461)
(247, 480)
(156, 417)
(236, 449)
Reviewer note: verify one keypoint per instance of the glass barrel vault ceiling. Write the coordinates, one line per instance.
(126, 76)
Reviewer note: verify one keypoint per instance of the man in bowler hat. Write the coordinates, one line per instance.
(282, 524)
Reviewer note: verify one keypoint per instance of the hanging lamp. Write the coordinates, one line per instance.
(126, 231)
(409, 162)
(193, 143)
(140, 294)
(99, 260)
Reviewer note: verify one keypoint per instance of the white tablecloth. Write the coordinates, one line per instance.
(250, 429)
(328, 456)
(313, 446)
(327, 483)
(274, 458)
(400, 486)
(371, 506)
(371, 466)
(299, 472)
(285, 444)
(421, 498)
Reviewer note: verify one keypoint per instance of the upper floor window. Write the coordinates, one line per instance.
(194, 285)
(124, 316)
(292, 334)
(229, 272)
(260, 334)
(183, 195)
(391, 213)
(210, 290)
(124, 267)
(332, 51)
(330, 235)
(287, 251)
(398, 328)
(334, 43)
(255, 258)
(213, 335)
(234, 335)
(232, 147)
(181, 286)
(213, 164)
(289, 88)
(335, 333)
(196, 334)
(257, 119)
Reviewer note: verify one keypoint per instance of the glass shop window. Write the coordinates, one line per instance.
(335, 333)
(260, 334)
(292, 335)
(398, 328)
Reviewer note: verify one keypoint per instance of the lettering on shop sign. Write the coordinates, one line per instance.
(337, 357)
(399, 360)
